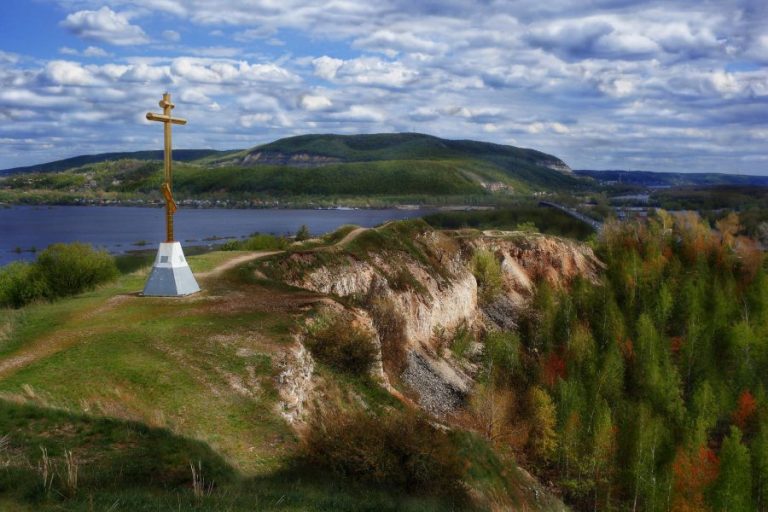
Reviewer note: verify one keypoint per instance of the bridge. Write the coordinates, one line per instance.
(595, 224)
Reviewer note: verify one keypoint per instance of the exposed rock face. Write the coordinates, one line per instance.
(294, 382)
(440, 386)
(440, 294)
(289, 159)
(556, 165)
(528, 258)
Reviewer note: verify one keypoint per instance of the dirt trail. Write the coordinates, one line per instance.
(235, 262)
(61, 338)
(350, 236)
(344, 241)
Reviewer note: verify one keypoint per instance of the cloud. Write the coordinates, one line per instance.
(385, 40)
(91, 51)
(360, 114)
(314, 102)
(95, 51)
(326, 67)
(365, 71)
(69, 73)
(171, 35)
(105, 25)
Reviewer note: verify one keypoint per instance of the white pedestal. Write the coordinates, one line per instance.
(171, 275)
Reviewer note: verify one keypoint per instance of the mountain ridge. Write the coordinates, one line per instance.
(320, 164)
(181, 155)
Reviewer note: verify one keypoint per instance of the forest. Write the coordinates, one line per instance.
(647, 390)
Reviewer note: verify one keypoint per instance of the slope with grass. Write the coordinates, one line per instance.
(131, 393)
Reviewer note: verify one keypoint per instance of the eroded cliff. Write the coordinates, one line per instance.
(416, 288)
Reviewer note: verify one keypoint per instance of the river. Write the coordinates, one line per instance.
(119, 229)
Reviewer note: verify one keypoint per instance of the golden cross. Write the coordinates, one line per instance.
(165, 117)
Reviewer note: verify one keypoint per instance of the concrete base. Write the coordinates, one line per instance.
(171, 275)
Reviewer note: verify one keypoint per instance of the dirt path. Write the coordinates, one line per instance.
(235, 262)
(344, 241)
(57, 340)
(350, 236)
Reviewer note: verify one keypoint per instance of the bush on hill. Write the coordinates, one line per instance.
(256, 242)
(20, 284)
(344, 347)
(73, 268)
(59, 271)
(488, 273)
(402, 450)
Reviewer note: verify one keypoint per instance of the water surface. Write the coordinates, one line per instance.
(119, 229)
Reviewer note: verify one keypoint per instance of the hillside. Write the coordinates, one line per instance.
(385, 168)
(528, 166)
(131, 391)
(181, 155)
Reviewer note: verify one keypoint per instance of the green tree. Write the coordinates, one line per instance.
(488, 273)
(543, 437)
(759, 452)
(732, 491)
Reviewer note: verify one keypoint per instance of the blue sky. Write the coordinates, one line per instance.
(673, 85)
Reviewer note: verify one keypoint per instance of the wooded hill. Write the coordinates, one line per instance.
(310, 165)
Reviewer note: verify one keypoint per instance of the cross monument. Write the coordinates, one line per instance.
(171, 275)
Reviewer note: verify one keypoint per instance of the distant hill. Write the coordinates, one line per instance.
(401, 167)
(673, 179)
(181, 155)
(525, 166)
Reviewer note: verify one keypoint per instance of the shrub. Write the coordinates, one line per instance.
(70, 269)
(390, 325)
(256, 242)
(342, 346)
(462, 339)
(303, 233)
(401, 450)
(527, 227)
(487, 270)
(403, 280)
(20, 284)
(502, 350)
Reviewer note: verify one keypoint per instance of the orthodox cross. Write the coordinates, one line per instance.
(167, 188)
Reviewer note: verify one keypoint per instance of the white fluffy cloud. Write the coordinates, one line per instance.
(607, 83)
(64, 72)
(314, 102)
(105, 25)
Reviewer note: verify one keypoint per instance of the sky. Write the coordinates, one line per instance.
(671, 85)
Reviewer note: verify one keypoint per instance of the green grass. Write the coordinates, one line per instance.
(128, 466)
(151, 360)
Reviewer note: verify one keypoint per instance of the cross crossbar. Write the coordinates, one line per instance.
(165, 119)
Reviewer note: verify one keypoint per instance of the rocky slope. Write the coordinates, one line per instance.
(416, 288)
